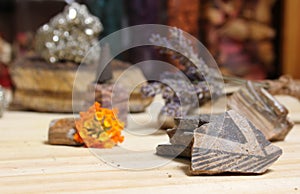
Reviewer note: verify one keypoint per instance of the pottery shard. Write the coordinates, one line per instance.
(234, 145)
(61, 132)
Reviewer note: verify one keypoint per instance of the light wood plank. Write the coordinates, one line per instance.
(29, 165)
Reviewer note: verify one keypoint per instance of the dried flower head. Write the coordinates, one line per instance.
(99, 127)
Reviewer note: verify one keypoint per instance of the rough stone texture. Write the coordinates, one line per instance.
(61, 132)
(69, 36)
(263, 110)
(181, 136)
(48, 88)
(173, 150)
(191, 122)
(231, 145)
(45, 87)
(181, 143)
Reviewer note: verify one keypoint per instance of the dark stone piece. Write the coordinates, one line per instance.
(191, 122)
(182, 138)
(173, 150)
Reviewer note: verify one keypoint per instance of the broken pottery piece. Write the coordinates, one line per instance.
(232, 145)
(263, 110)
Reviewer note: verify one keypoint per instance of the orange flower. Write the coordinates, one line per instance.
(77, 138)
(99, 127)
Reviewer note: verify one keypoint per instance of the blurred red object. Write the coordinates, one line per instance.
(5, 59)
(5, 80)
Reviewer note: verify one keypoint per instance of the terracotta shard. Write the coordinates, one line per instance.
(263, 110)
(232, 145)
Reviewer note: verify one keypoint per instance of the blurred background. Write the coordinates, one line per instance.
(253, 39)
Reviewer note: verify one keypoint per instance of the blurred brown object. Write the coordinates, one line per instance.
(23, 44)
(239, 34)
(109, 96)
(184, 14)
(285, 85)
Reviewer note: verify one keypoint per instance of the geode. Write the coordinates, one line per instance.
(69, 36)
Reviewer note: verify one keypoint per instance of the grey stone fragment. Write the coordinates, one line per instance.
(173, 150)
(191, 122)
(182, 138)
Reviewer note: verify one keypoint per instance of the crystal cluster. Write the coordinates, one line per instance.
(69, 36)
(196, 77)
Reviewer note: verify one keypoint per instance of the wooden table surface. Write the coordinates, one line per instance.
(29, 165)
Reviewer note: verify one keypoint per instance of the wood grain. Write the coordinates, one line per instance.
(291, 38)
(28, 165)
